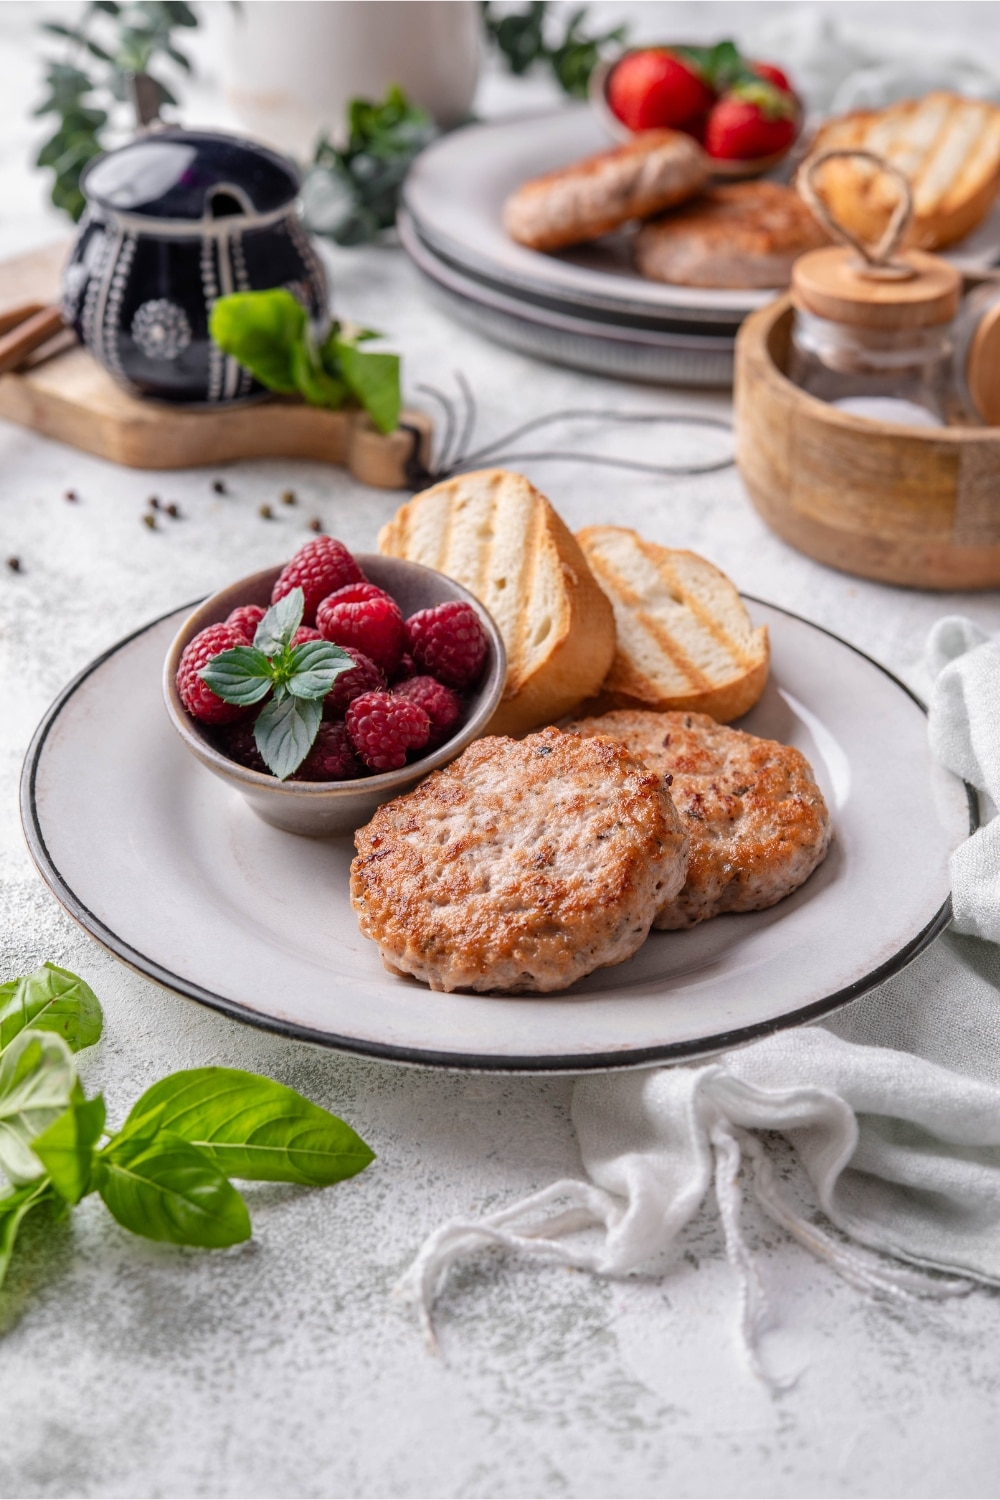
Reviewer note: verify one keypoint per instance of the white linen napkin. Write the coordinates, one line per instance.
(895, 1120)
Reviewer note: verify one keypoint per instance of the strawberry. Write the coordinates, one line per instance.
(771, 74)
(754, 119)
(654, 89)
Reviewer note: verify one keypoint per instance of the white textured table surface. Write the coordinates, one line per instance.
(284, 1367)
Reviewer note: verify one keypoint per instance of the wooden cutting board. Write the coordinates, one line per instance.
(64, 394)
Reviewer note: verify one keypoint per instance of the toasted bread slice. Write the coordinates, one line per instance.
(949, 149)
(685, 640)
(601, 193)
(494, 533)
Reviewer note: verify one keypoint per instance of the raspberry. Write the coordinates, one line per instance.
(382, 728)
(449, 642)
(331, 757)
(407, 668)
(196, 696)
(305, 633)
(363, 677)
(237, 741)
(366, 618)
(246, 618)
(318, 569)
(439, 703)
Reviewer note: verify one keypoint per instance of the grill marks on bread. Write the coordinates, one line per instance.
(684, 639)
(497, 535)
(522, 866)
(947, 146)
(756, 820)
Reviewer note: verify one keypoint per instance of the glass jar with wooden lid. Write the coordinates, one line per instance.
(873, 329)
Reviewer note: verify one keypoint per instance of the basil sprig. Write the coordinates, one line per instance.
(297, 678)
(270, 335)
(166, 1173)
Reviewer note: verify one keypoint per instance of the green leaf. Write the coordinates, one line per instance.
(66, 1148)
(373, 379)
(242, 675)
(252, 1127)
(315, 667)
(37, 1079)
(285, 730)
(315, 383)
(15, 1205)
(51, 999)
(261, 330)
(167, 1189)
(282, 620)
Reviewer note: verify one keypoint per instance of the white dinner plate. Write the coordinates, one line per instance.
(455, 193)
(170, 870)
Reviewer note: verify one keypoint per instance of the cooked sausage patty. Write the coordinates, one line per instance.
(521, 866)
(594, 196)
(746, 234)
(755, 817)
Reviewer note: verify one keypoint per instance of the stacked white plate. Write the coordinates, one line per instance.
(587, 307)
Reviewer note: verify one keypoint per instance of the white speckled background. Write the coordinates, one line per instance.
(284, 1367)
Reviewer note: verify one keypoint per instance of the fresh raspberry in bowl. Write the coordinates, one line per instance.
(367, 618)
(383, 729)
(197, 697)
(448, 642)
(319, 568)
(441, 704)
(363, 677)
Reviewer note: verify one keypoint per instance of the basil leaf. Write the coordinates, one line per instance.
(252, 1127)
(37, 1078)
(315, 383)
(50, 999)
(315, 667)
(261, 330)
(284, 731)
(166, 1189)
(282, 620)
(240, 675)
(66, 1147)
(373, 379)
(14, 1208)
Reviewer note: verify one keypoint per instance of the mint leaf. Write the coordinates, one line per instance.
(66, 1147)
(50, 999)
(373, 379)
(285, 730)
(241, 675)
(166, 1189)
(282, 620)
(261, 330)
(37, 1080)
(15, 1205)
(251, 1127)
(315, 667)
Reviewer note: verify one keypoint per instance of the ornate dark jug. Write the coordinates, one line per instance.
(174, 220)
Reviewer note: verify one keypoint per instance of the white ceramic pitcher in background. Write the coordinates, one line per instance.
(291, 67)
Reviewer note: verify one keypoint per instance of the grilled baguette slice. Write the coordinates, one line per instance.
(685, 640)
(494, 533)
(948, 147)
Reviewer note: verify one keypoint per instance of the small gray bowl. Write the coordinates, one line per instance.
(324, 809)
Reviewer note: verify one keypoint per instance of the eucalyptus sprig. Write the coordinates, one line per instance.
(294, 680)
(108, 43)
(531, 35)
(165, 1174)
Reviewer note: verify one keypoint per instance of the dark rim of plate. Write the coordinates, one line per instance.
(569, 1063)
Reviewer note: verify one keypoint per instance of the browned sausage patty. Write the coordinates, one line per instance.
(756, 819)
(594, 196)
(521, 866)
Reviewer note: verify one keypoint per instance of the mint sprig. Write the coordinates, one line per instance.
(294, 679)
(166, 1173)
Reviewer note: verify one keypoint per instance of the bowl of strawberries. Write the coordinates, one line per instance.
(743, 112)
(320, 689)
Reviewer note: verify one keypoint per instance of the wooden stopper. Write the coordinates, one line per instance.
(982, 368)
(835, 284)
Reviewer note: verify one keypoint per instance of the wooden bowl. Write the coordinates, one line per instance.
(908, 505)
(722, 170)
